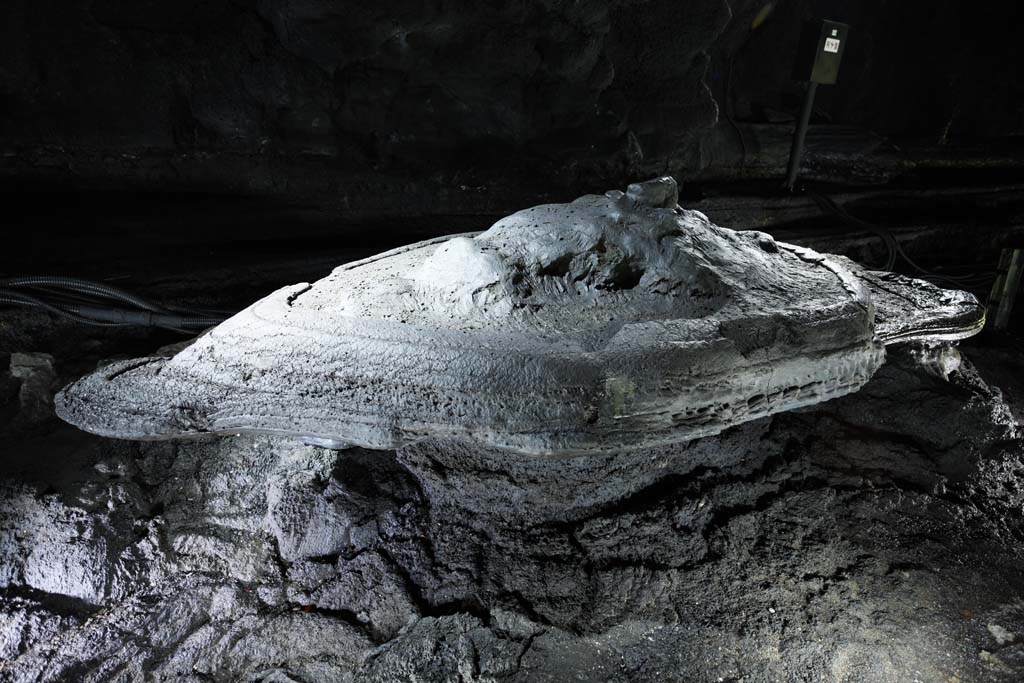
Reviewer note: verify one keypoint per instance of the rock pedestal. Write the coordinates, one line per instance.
(874, 537)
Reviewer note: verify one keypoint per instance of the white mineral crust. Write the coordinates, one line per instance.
(615, 321)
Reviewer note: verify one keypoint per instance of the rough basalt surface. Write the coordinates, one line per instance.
(615, 321)
(876, 537)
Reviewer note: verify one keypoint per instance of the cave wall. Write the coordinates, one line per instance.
(460, 106)
(939, 72)
(408, 87)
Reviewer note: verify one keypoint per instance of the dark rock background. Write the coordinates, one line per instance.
(937, 71)
(428, 107)
(453, 89)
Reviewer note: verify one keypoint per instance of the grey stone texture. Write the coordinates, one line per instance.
(613, 322)
(875, 537)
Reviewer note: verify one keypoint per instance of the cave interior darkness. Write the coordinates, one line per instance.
(205, 153)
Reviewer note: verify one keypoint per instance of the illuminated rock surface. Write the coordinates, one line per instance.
(875, 537)
(615, 321)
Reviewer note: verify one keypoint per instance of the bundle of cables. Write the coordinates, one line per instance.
(96, 303)
(893, 248)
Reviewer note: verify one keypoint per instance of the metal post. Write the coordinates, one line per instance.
(996, 293)
(797, 150)
(1009, 295)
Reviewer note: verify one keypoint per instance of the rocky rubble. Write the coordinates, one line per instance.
(871, 538)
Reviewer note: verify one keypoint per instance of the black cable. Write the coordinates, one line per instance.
(894, 248)
(88, 302)
(201, 311)
(66, 288)
(20, 299)
(758, 20)
(728, 106)
(143, 318)
(83, 286)
(110, 317)
(828, 205)
(60, 296)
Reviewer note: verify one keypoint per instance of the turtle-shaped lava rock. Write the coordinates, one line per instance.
(614, 321)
